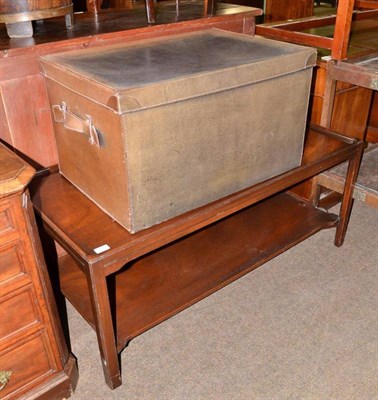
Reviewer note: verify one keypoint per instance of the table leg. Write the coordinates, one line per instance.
(347, 200)
(98, 290)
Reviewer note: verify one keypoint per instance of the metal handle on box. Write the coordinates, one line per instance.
(75, 123)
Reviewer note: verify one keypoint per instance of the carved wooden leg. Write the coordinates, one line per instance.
(104, 325)
(347, 202)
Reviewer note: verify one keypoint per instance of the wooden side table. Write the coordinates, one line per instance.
(34, 360)
(124, 284)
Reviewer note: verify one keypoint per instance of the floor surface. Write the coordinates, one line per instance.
(301, 327)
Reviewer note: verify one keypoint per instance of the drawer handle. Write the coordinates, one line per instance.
(75, 123)
(4, 378)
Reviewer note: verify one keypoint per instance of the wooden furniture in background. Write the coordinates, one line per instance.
(301, 31)
(365, 189)
(32, 347)
(96, 6)
(358, 71)
(124, 284)
(331, 35)
(363, 72)
(25, 116)
(282, 10)
(352, 103)
(18, 15)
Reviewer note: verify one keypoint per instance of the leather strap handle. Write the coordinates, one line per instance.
(75, 123)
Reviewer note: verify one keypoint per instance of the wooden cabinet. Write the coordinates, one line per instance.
(33, 354)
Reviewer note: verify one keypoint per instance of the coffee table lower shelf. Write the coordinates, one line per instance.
(158, 285)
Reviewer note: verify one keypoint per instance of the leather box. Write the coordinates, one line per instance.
(155, 128)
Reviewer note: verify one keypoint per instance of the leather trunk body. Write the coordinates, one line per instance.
(153, 129)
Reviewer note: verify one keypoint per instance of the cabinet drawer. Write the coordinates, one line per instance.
(20, 313)
(29, 364)
(7, 221)
(12, 263)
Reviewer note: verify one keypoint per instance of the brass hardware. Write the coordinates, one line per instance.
(4, 378)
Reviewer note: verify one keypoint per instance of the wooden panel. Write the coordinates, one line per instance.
(120, 3)
(351, 106)
(28, 115)
(29, 363)
(7, 222)
(319, 79)
(352, 110)
(21, 313)
(24, 66)
(4, 127)
(280, 10)
(12, 263)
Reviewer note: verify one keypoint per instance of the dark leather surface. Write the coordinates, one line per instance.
(133, 66)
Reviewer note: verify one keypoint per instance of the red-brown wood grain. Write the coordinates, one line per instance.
(281, 10)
